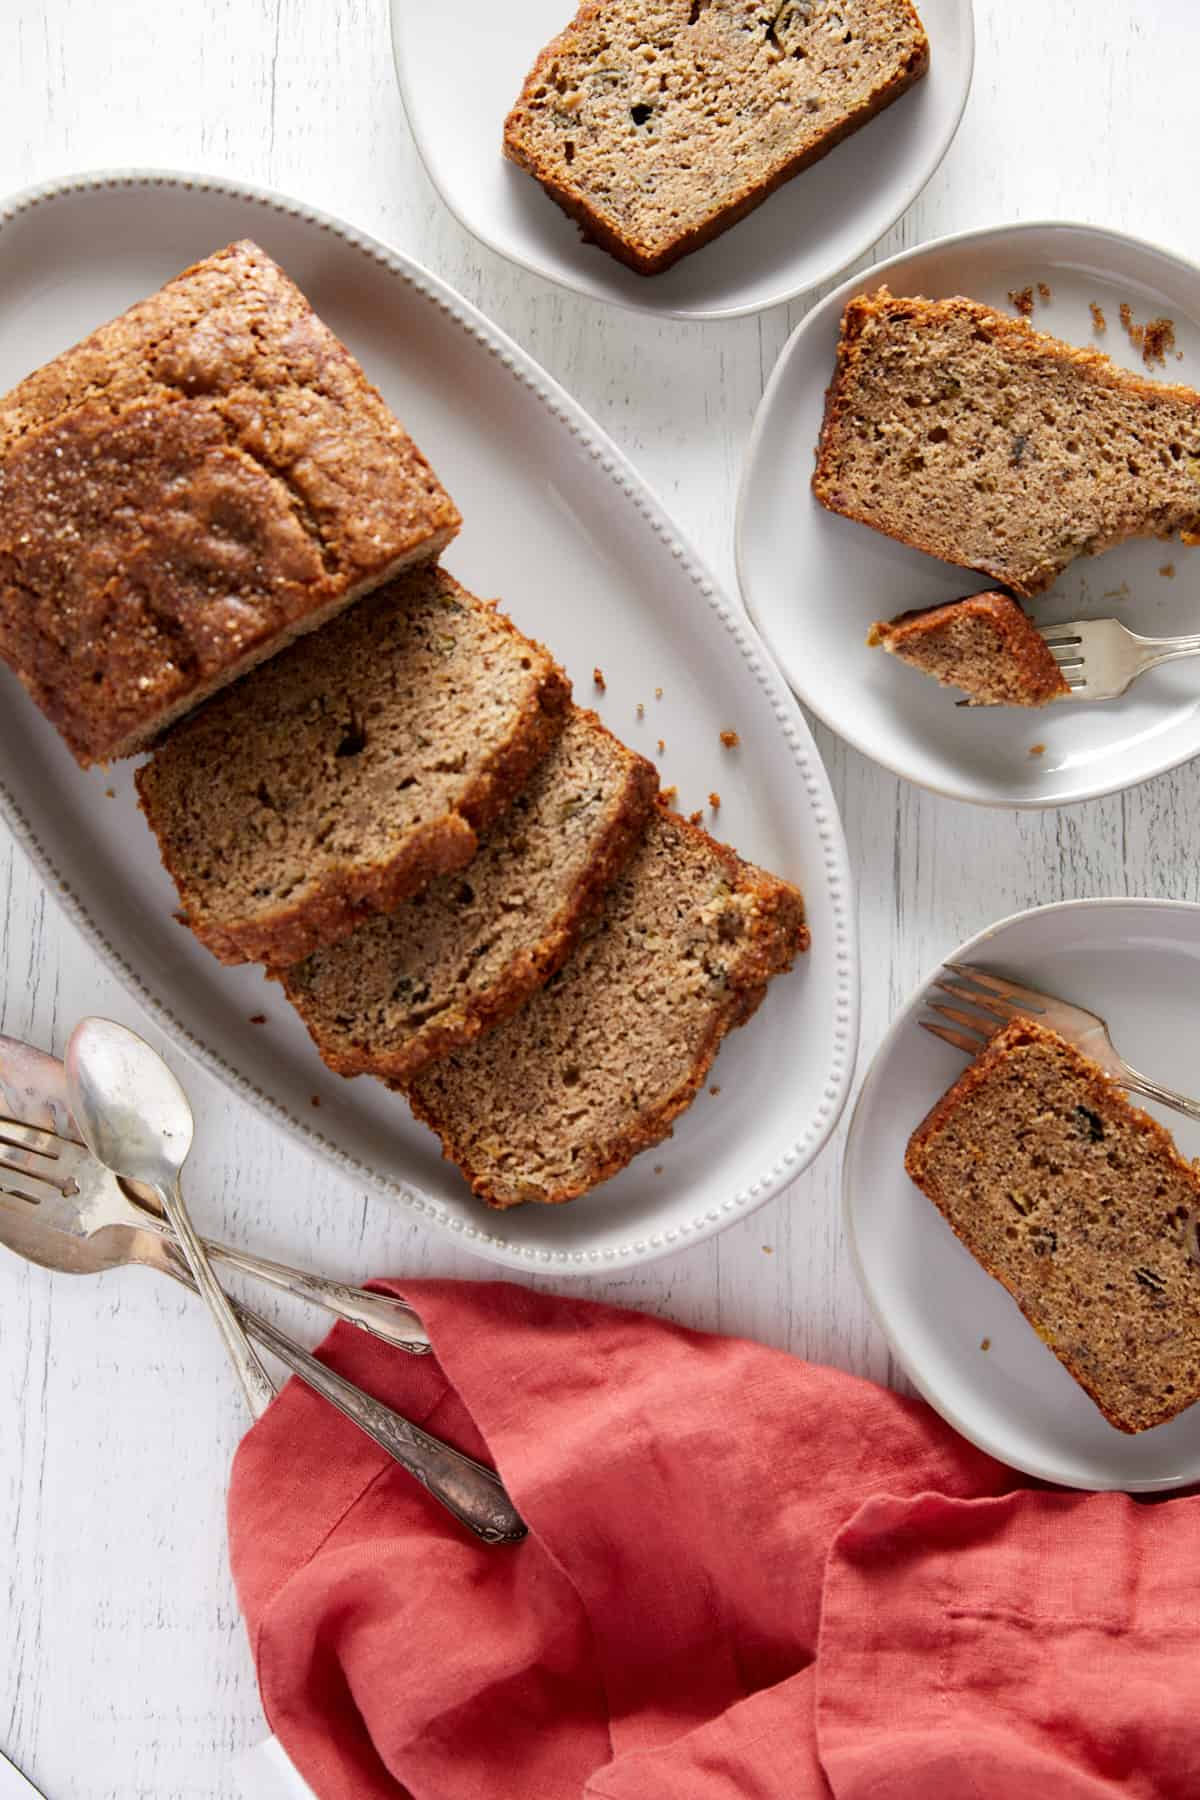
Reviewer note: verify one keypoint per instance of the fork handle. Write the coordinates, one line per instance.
(1136, 1083)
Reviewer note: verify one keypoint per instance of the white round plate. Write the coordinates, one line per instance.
(560, 525)
(806, 233)
(1136, 963)
(813, 582)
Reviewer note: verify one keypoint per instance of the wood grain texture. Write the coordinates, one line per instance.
(123, 1670)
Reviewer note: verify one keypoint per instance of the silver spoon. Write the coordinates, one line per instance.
(135, 1118)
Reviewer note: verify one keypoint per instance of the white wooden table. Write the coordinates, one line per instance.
(123, 1666)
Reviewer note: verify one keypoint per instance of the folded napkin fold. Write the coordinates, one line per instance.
(747, 1578)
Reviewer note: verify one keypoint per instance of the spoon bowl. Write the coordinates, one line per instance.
(130, 1109)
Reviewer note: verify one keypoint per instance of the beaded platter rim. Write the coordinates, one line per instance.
(836, 876)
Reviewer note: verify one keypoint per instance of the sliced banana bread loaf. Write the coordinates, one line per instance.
(410, 985)
(984, 645)
(597, 1064)
(972, 436)
(349, 771)
(1082, 1206)
(187, 490)
(659, 123)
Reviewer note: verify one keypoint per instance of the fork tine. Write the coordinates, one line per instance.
(986, 1003)
(954, 1038)
(982, 1030)
(18, 1182)
(28, 1137)
(1028, 998)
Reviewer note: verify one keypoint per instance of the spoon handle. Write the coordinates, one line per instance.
(257, 1385)
(475, 1495)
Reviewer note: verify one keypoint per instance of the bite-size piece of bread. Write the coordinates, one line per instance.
(984, 645)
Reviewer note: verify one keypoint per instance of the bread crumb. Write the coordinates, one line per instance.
(658, 693)
(1099, 322)
(658, 1168)
(258, 1018)
(316, 1100)
(641, 710)
(767, 1250)
(714, 800)
(985, 1343)
(714, 1091)
(1044, 293)
(1168, 570)
(669, 794)
(1158, 339)
(1154, 339)
(1022, 299)
(730, 739)
(697, 817)
(598, 678)
(662, 744)
(1037, 749)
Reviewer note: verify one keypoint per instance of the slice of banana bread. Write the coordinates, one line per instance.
(187, 490)
(410, 985)
(984, 442)
(349, 771)
(597, 1065)
(984, 645)
(1082, 1206)
(658, 124)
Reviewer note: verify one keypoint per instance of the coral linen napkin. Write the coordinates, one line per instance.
(747, 1578)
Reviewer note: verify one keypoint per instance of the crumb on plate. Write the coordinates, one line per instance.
(1099, 322)
(1022, 299)
(316, 1100)
(715, 1089)
(714, 800)
(767, 1250)
(641, 710)
(1037, 749)
(1168, 570)
(662, 744)
(110, 793)
(258, 1018)
(1044, 293)
(598, 678)
(730, 739)
(985, 1343)
(658, 693)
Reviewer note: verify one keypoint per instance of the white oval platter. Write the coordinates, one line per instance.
(957, 1333)
(814, 582)
(806, 233)
(561, 527)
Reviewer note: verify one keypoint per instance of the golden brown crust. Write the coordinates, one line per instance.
(1102, 1093)
(185, 491)
(778, 934)
(1035, 675)
(625, 248)
(1024, 343)
(524, 976)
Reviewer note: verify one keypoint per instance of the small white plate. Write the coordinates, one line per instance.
(813, 582)
(806, 233)
(1136, 963)
(559, 525)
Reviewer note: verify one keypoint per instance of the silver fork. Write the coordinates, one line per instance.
(1100, 658)
(994, 1001)
(80, 1195)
